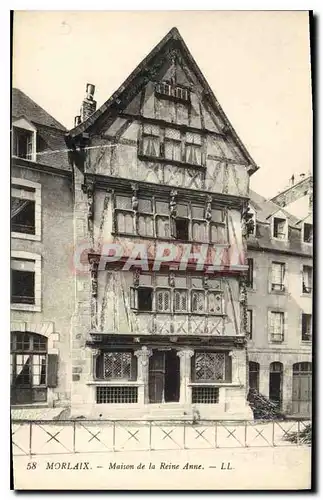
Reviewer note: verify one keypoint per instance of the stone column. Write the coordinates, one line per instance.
(143, 355)
(185, 371)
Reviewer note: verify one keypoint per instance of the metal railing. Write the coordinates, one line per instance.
(47, 437)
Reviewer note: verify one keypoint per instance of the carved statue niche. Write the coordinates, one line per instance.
(243, 299)
(171, 280)
(173, 204)
(248, 224)
(208, 208)
(134, 199)
(94, 265)
(88, 189)
(136, 276)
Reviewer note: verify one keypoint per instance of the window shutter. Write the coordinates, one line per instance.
(52, 370)
(134, 298)
(228, 368)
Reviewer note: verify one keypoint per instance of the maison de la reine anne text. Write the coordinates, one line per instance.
(221, 302)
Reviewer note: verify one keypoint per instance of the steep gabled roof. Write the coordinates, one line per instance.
(22, 105)
(173, 34)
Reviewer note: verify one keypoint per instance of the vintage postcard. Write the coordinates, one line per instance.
(161, 250)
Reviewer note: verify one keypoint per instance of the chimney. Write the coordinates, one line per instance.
(89, 104)
(77, 120)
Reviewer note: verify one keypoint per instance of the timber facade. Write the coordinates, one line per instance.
(159, 166)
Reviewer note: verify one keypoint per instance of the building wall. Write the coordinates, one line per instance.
(293, 302)
(57, 281)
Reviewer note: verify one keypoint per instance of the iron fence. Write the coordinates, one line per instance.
(47, 437)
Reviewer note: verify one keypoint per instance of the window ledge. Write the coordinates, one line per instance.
(26, 307)
(309, 295)
(208, 315)
(19, 406)
(215, 384)
(25, 236)
(279, 292)
(161, 159)
(116, 383)
(171, 240)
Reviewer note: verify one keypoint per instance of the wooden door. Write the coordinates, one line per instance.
(302, 389)
(156, 377)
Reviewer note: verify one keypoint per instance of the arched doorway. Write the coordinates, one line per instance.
(276, 383)
(254, 375)
(28, 368)
(302, 388)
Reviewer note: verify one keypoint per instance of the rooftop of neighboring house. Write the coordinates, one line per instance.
(50, 133)
(266, 210)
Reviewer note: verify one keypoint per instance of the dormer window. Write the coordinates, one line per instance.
(308, 233)
(280, 228)
(24, 140)
(164, 89)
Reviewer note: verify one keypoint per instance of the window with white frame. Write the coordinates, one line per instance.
(193, 148)
(278, 270)
(280, 228)
(152, 219)
(276, 326)
(25, 209)
(29, 367)
(187, 294)
(25, 281)
(24, 140)
(306, 327)
(307, 279)
(150, 140)
(308, 233)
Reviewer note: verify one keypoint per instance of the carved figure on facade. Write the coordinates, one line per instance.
(173, 203)
(134, 199)
(136, 277)
(208, 208)
(248, 224)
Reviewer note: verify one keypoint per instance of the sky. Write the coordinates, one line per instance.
(256, 62)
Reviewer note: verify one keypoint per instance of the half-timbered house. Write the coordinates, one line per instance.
(161, 184)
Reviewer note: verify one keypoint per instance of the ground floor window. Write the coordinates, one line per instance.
(302, 388)
(29, 364)
(116, 395)
(116, 365)
(211, 367)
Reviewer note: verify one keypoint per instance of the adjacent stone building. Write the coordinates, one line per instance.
(42, 288)
(161, 185)
(280, 286)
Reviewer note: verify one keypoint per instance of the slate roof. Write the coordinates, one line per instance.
(22, 105)
(51, 146)
(143, 69)
(263, 239)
